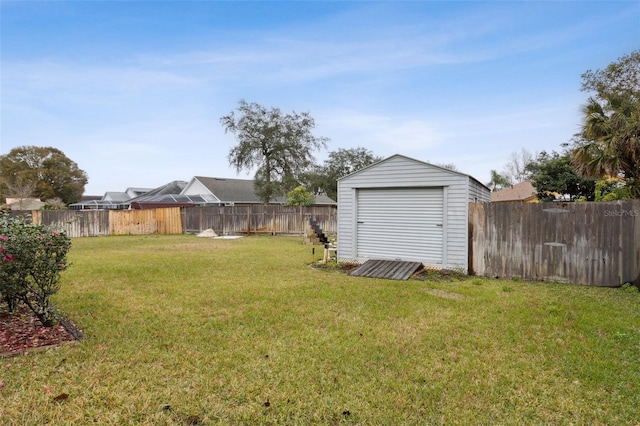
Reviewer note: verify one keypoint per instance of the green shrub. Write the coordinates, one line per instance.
(31, 259)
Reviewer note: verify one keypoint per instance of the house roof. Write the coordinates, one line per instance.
(230, 190)
(139, 190)
(324, 199)
(91, 197)
(170, 200)
(226, 190)
(166, 195)
(116, 196)
(174, 187)
(242, 191)
(523, 191)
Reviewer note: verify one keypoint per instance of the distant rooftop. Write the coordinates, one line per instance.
(523, 192)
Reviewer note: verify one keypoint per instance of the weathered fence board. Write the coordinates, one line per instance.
(143, 222)
(75, 224)
(258, 219)
(584, 243)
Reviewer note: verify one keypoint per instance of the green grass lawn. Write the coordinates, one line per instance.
(187, 330)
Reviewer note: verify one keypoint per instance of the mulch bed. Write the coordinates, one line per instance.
(20, 331)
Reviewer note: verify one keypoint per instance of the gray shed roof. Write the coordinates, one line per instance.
(417, 161)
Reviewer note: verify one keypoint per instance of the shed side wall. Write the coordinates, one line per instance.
(478, 193)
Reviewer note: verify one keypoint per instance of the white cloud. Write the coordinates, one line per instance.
(384, 135)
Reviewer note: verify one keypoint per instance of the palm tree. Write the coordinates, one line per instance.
(609, 143)
(498, 181)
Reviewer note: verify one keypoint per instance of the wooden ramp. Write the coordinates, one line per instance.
(389, 269)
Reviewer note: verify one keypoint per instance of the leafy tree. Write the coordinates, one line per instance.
(448, 166)
(342, 162)
(46, 172)
(516, 168)
(498, 181)
(279, 145)
(608, 144)
(553, 174)
(300, 197)
(618, 78)
(611, 189)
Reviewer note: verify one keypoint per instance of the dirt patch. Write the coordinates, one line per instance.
(20, 331)
(342, 267)
(439, 275)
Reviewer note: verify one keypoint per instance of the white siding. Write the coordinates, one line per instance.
(403, 172)
(478, 193)
(195, 187)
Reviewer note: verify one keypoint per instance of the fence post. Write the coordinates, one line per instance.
(224, 211)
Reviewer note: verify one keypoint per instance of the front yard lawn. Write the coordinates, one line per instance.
(187, 330)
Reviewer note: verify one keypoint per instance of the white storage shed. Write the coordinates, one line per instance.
(405, 209)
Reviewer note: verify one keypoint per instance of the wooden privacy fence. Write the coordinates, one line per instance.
(87, 223)
(178, 220)
(142, 222)
(594, 244)
(91, 223)
(259, 219)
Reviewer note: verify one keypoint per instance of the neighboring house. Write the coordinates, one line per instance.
(134, 192)
(200, 191)
(522, 192)
(405, 209)
(169, 195)
(24, 204)
(111, 200)
(120, 197)
(230, 192)
(91, 197)
(163, 196)
(116, 197)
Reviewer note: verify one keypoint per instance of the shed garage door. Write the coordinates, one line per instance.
(400, 223)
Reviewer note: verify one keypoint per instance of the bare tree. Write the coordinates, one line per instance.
(21, 189)
(448, 166)
(516, 169)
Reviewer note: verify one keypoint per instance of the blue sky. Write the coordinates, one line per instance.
(133, 91)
